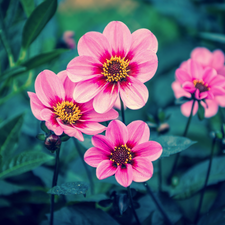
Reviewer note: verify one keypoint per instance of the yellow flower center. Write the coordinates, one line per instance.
(115, 69)
(67, 111)
(201, 86)
(121, 155)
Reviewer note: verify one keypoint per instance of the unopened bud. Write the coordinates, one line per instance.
(163, 128)
(52, 142)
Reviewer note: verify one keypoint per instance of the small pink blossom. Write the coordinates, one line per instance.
(112, 64)
(54, 103)
(124, 151)
(68, 38)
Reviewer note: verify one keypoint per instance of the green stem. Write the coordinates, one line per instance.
(157, 204)
(132, 205)
(206, 180)
(85, 165)
(122, 111)
(54, 183)
(184, 135)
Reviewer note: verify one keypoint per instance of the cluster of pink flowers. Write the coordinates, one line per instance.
(202, 77)
(111, 65)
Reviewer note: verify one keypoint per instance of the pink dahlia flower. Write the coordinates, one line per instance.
(124, 151)
(114, 63)
(54, 103)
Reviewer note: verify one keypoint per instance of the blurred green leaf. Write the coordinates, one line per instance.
(10, 132)
(161, 115)
(28, 6)
(213, 37)
(12, 72)
(41, 137)
(70, 188)
(87, 141)
(201, 111)
(193, 180)
(37, 21)
(173, 144)
(23, 162)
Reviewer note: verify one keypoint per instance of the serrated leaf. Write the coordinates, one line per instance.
(213, 37)
(193, 180)
(42, 58)
(10, 132)
(28, 6)
(201, 111)
(23, 162)
(173, 144)
(37, 21)
(70, 188)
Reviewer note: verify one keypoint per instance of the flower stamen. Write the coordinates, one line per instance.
(68, 112)
(115, 69)
(201, 85)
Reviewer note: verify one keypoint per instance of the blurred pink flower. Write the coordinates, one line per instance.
(124, 151)
(114, 63)
(53, 103)
(68, 38)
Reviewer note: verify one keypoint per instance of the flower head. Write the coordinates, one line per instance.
(114, 63)
(124, 151)
(54, 103)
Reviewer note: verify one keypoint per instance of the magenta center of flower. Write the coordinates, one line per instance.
(68, 112)
(200, 85)
(121, 155)
(115, 69)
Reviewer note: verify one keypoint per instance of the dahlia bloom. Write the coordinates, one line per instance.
(196, 82)
(112, 64)
(124, 151)
(54, 103)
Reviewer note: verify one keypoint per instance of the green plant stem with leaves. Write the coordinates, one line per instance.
(206, 180)
(54, 183)
(85, 165)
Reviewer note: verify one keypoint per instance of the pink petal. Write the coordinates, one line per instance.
(62, 75)
(218, 80)
(186, 108)
(124, 176)
(86, 90)
(117, 133)
(209, 74)
(103, 143)
(143, 66)
(83, 68)
(142, 169)
(117, 104)
(106, 98)
(36, 105)
(106, 169)
(138, 132)
(220, 100)
(94, 156)
(85, 107)
(221, 71)
(90, 128)
(94, 44)
(182, 76)
(150, 149)
(69, 87)
(49, 88)
(202, 95)
(211, 108)
(196, 70)
(119, 37)
(133, 93)
(216, 90)
(218, 59)
(202, 56)
(189, 87)
(179, 91)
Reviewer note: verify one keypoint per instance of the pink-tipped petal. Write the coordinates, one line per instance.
(117, 132)
(151, 149)
(94, 156)
(182, 76)
(186, 108)
(179, 91)
(196, 70)
(124, 176)
(90, 128)
(133, 93)
(138, 132)
(49, 88)
(103, 143)
(86, 90)
(106, 169)
(83, 68)
(142, 169)
(106, 98)
(218, 59)
(202, 56)
(94, 44)
(36, 105)
(119, 37)
(211, 108)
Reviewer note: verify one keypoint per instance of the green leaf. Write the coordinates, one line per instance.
(173, 144)
(70, 188)
(42, 58)
(37, 21)
(41, 137)
(28, 6)
(193, 180)
(87, 141)
(12, 72)
(23, 162)
(201, 111)
(213, 37)
(161, 115)
(10, 132)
